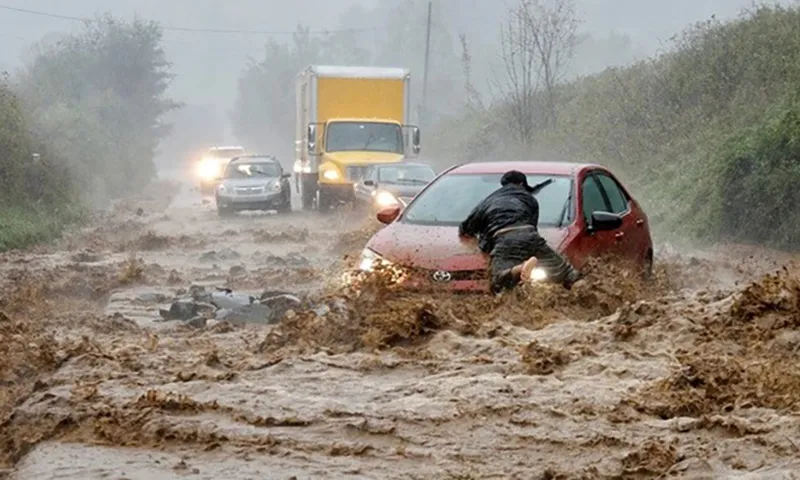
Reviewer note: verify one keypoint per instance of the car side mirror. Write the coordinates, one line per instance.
(369, 183)
(415, 140)
(388, 214)
(605, 221)
(286, 175)
(312, 140)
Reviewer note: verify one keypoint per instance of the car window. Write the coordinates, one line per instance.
(253, 170)
(450, 199)
(619, 203)
(593, 200)
(406, 174)
(369, 174)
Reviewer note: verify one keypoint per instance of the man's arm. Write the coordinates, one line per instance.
(474, 223)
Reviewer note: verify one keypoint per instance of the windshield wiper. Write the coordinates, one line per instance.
(564, 210)
(410, 180)
(538, 187)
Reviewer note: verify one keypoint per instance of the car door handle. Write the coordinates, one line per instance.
(619, 235)
(639, 222)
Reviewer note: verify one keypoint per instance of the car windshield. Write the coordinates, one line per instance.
(450, 199)
(406, 174)
(366, 136)
(252, 169)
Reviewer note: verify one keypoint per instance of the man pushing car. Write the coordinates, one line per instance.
(506, 226)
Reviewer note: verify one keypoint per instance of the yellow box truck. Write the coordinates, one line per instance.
(349, 118)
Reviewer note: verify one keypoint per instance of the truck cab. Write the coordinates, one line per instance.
(349, 146)
(349, 118)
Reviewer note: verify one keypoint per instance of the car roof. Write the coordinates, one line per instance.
(527, 167)
(269, 158)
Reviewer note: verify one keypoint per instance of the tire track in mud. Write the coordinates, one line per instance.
(689, 376)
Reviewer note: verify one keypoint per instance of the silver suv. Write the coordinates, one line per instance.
(254, 182)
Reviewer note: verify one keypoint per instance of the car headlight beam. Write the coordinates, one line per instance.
(538, 275)
(209, 169)
(386, 199)
(331, 175)
(369, 259)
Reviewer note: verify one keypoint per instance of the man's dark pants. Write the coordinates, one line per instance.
(514, 247)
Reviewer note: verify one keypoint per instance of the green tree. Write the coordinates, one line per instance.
(100, 96)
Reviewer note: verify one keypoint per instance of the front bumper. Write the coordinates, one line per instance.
(342, 192)
(246, 202)
(415, 279)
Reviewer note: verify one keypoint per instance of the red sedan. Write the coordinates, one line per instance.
(584, 212)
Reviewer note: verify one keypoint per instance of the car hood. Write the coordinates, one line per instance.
(249, 182)
(437, 247)
(401, 190)
(358, 157)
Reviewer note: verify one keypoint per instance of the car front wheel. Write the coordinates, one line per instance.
(224, 211)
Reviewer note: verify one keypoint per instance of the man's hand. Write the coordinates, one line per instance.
(466, 239)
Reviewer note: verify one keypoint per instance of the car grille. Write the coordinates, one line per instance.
(436, 276)
(356, 172)
(249, 190)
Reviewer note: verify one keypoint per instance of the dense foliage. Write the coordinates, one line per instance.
(99, 97)
(90, 106)
(707, 133)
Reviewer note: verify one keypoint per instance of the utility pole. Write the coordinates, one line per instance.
(423, 110)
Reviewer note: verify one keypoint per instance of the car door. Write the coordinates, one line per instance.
(631, 238)
(363, 192)
(591, 243)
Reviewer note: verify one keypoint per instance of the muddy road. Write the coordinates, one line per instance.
(694, 376)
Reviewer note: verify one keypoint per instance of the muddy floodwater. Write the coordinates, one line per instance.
(695, 375)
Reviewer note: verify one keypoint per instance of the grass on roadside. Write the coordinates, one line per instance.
(22, 227)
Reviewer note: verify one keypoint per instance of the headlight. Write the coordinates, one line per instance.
(276, 187)
(538, 275)
(385, 199)
(221, 188)
(369, 260)
(209, 169)
(331, 174)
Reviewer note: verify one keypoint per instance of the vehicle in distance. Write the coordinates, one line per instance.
(584, 211)
(348, 118)
(392, 184)
(254, 182)
(212, 165)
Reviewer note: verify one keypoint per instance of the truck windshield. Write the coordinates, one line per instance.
(366, 136)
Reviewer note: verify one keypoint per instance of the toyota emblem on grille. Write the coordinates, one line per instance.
(441, 276)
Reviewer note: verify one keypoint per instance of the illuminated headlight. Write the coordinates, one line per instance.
(276, 187)
(331, 174)
(222, 188)
(369, 260)
(386, 199)
(538, 275)
(209, 169)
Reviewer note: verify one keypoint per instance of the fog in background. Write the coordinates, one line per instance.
(208, 65)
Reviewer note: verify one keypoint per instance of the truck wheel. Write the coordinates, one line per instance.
(286, 206)
(322, 202)
(308, 192)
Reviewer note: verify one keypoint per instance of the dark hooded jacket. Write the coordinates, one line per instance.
(505, 207)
